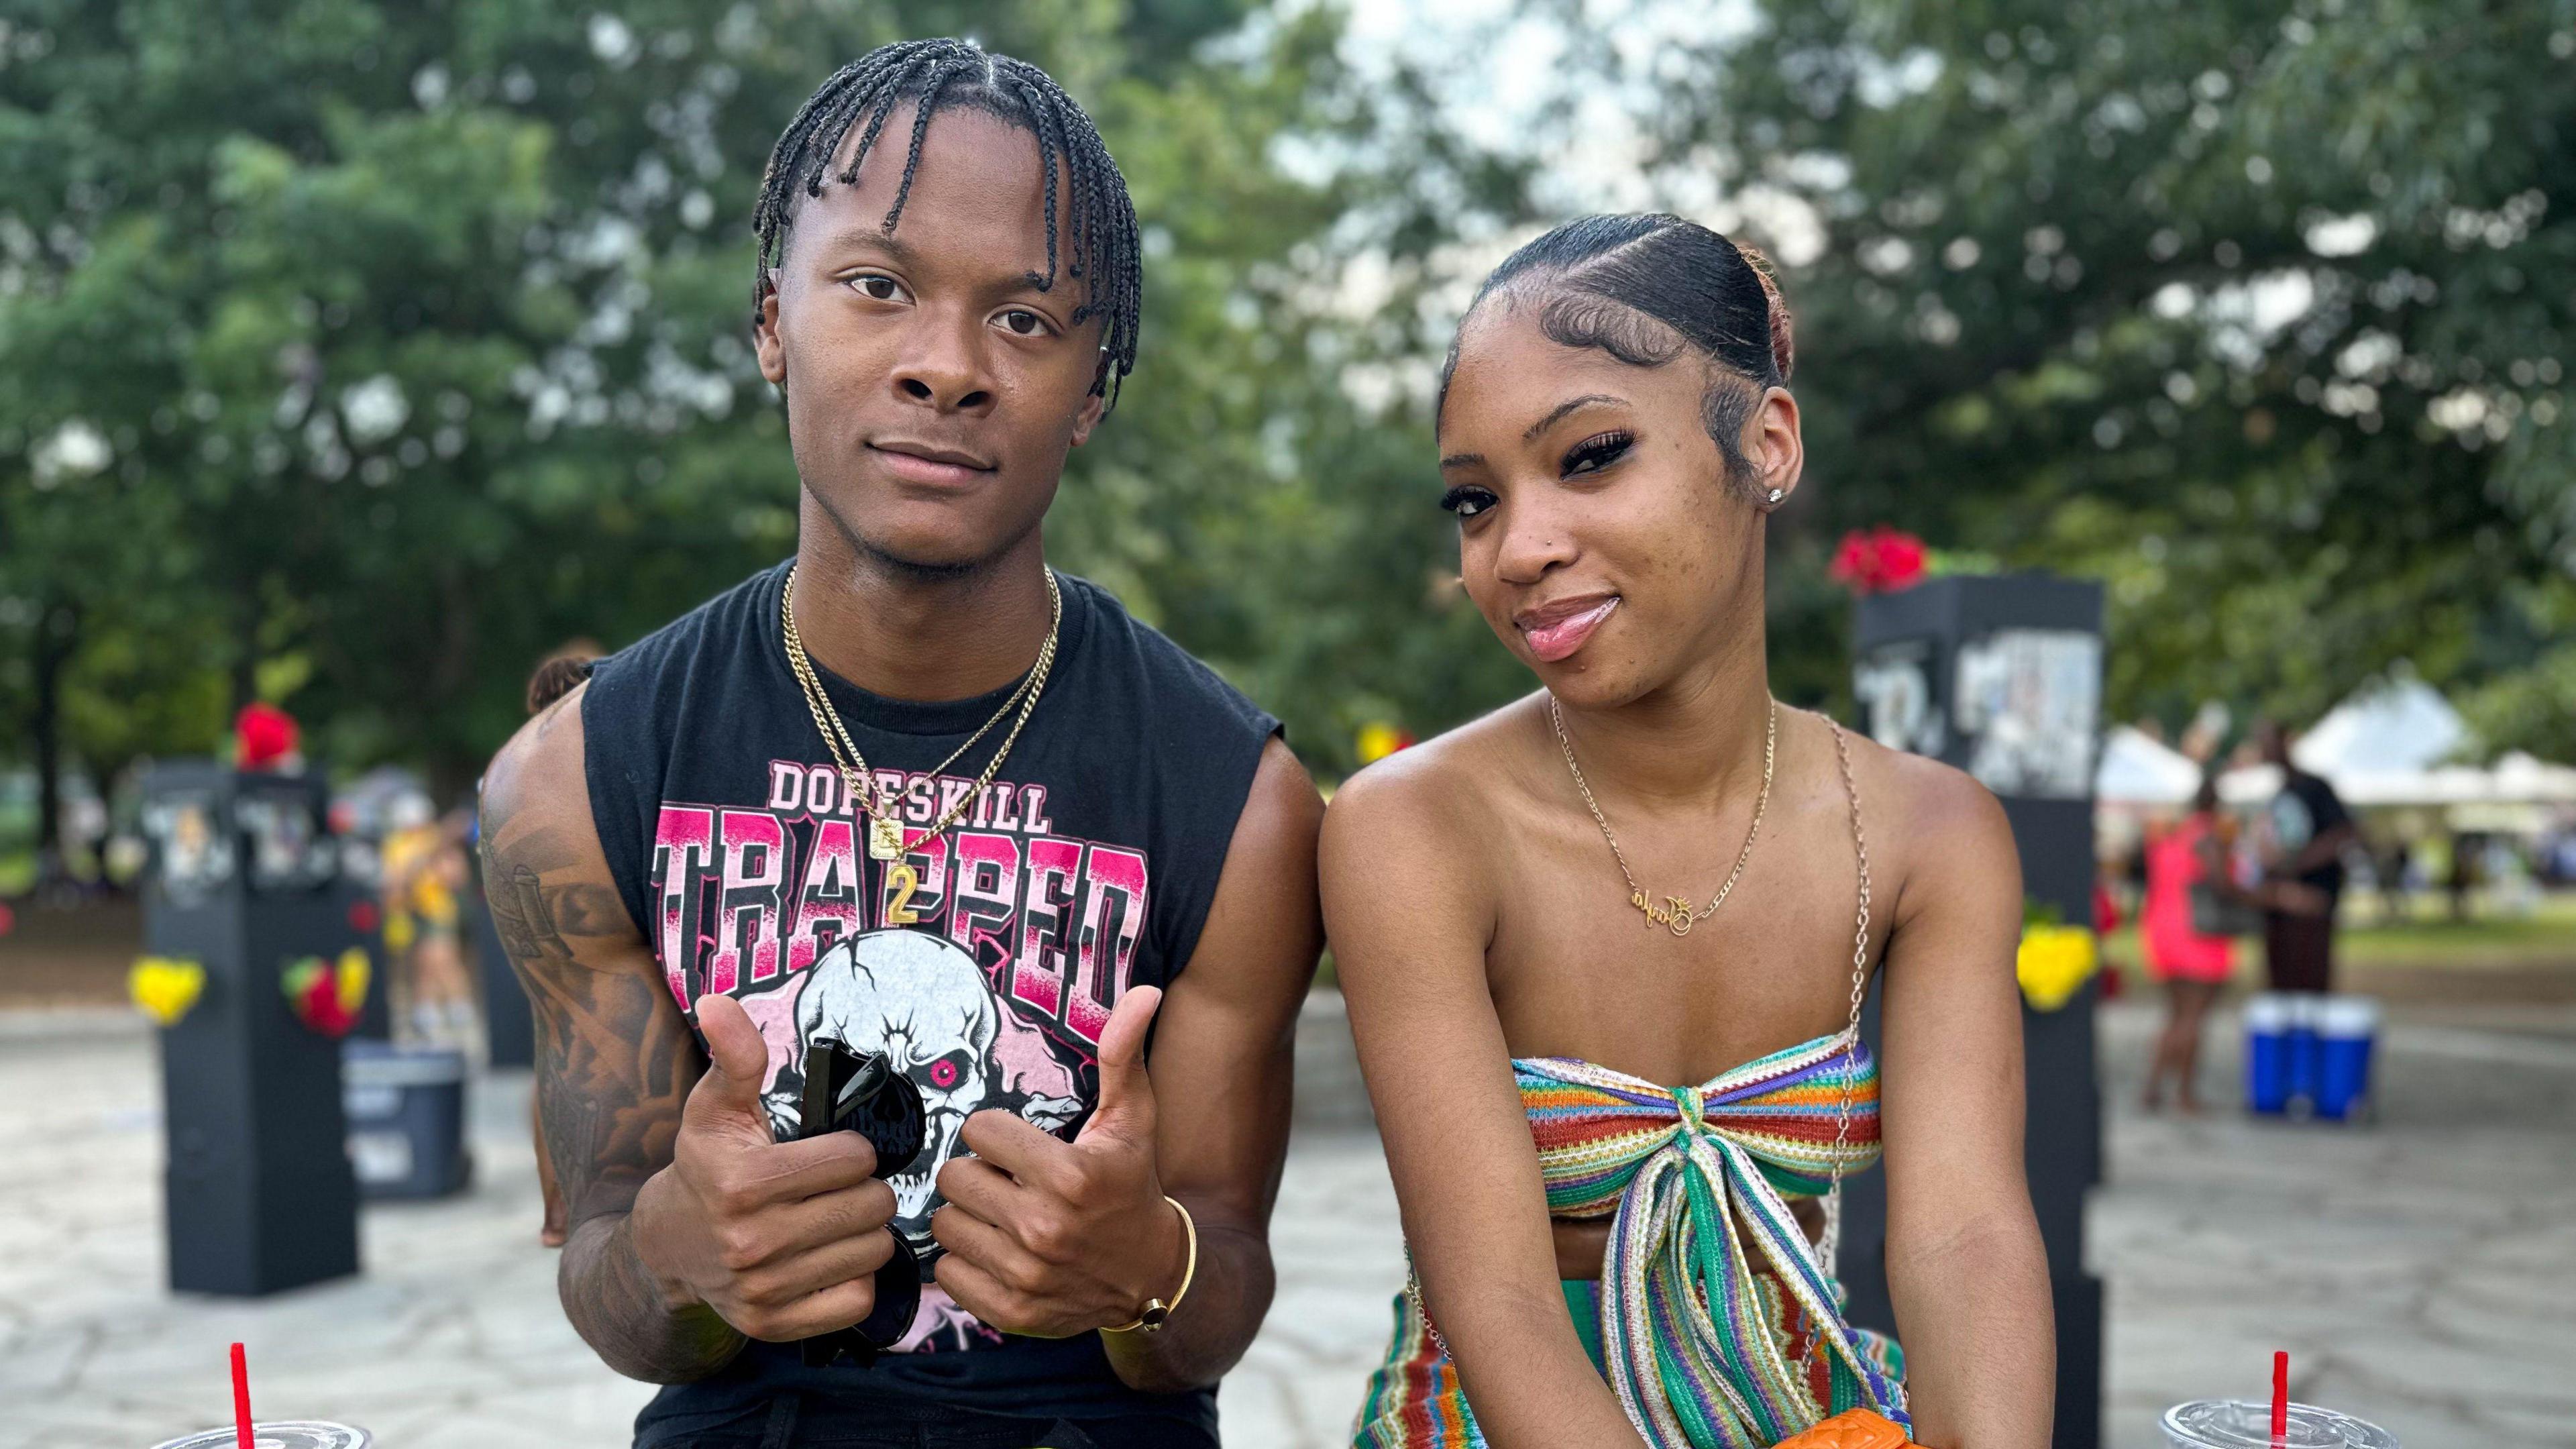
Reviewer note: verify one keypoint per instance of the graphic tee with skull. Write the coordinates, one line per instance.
(984, 960)
(921, 1002)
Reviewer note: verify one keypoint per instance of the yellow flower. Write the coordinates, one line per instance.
(352, 978)
(2053, 963)
(1379, 740)
(164, 988)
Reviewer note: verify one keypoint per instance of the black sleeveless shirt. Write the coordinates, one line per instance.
(1086, 868)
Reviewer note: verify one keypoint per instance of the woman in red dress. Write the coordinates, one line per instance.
(2193, 966)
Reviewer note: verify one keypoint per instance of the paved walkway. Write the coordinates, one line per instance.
(2421, 1271)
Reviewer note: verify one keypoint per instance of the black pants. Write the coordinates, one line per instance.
(797, 1421)
(2299, 951)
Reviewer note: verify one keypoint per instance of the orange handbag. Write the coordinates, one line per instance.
(1850, 1429)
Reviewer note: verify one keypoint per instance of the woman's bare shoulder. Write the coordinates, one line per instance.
(1444, 788)
(1413, 836)
(1928, 823)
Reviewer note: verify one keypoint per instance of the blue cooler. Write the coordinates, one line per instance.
(406, 1117)
(2347, 1029)
(2269, 1020)
(2303, 1051)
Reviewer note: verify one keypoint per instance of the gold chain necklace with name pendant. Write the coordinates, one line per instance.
(1675, 911)
(885, 832)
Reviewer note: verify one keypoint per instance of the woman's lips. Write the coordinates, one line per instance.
(1553, 638)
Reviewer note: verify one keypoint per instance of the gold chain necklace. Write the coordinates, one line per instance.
(885, 832)
(1675, 912)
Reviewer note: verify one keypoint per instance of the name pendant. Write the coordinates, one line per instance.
(1674, 914)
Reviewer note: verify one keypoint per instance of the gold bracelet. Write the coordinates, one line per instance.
(1157, 1312)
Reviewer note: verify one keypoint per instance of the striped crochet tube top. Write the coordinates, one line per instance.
(1696, 1182)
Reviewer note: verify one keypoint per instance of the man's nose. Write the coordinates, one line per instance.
(946, 371)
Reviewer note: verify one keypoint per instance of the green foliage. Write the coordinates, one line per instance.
(2260, 311)
(360, 353)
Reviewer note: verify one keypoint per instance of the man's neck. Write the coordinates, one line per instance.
(911, 635)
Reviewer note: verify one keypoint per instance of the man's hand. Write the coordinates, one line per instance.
(782, 1240)
(1050, 1238)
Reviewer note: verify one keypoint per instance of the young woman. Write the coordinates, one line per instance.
(2192, 966)
(1604, 948)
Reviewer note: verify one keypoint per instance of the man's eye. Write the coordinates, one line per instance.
(880, 287)
(1023, 323)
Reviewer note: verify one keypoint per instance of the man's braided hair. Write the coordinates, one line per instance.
(939, 75)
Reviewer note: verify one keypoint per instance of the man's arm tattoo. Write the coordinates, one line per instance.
(609, 1087)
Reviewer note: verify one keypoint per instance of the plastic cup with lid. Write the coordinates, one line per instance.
(2245, 1424)
(285, 1434)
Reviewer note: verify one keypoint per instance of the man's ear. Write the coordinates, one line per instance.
(1089, 418)
(764, 334)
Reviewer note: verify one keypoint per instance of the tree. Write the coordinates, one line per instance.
(419, 334)
(2259, 311)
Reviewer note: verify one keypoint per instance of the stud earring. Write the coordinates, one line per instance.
(1777, 494)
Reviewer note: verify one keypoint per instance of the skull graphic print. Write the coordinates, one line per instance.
(919, 1000)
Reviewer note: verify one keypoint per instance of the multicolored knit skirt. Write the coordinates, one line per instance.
(1414, 1400)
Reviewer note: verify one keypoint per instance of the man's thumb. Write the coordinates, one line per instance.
(738, 1060)
(1126, 1094)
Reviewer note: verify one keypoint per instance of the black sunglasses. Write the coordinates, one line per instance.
(862, 1092)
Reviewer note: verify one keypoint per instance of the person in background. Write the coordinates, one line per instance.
(2193, 966)
(2303, 878)
(2460, 881)
(2393, 879)
(424, 864)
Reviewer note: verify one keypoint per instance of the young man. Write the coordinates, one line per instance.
(917, 794)
(2303, 884)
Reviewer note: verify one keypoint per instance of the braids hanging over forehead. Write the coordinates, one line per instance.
(1089, 201)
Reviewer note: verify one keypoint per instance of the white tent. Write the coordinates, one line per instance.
(2522, 780)
(2394, 745)
(2400, 727)
(2137, 769)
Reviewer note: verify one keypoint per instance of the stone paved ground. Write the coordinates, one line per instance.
(2422, 1271)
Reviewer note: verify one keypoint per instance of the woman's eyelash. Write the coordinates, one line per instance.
(1466, 502)
(1596, 453)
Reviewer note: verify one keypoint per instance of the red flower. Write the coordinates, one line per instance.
(1881, 560)
(263, 734)
(313, 991)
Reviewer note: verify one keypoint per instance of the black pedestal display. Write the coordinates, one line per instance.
(509, 1024)
(2002, 677)
(260, 1197)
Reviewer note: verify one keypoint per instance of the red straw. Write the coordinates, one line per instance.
(2280, 1396)
(241, 1399)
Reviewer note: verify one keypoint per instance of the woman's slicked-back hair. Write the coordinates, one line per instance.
(1646, 288)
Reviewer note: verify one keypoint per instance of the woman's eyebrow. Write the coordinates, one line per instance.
(1462, 460)
(1567, 406)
